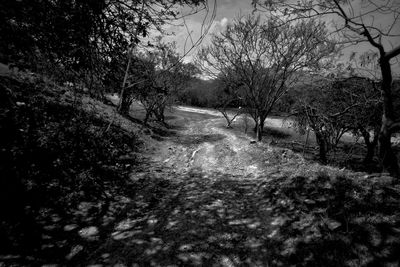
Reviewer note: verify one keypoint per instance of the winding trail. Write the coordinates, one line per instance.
(206, 209)
(206, 145)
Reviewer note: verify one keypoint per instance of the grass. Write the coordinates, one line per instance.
(349, 153)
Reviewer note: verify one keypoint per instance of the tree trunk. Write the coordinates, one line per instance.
(387, 156)
(369, 157)
(125, 103)
(123, 108)
(245, 123)
(262, 124)
(146, 118)
(323, 150)
(260, 128)
(160, 114)
(371, 145)
(255, 129)
(226, 116)
(259, 132)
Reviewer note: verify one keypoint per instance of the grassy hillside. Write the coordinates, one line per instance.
(57, 151)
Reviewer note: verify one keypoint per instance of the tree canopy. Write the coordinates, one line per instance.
(78, 34)
(262, 57)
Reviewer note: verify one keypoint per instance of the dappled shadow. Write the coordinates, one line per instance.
(338, 221)
(213, 219)
(204, 220)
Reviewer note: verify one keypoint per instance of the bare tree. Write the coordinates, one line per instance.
(154, 14)
(227, 101)
(357, 22)
(158, 76)
(316, 110)
(262, 58)
(171, 76)
(363, 96)
(332, 107)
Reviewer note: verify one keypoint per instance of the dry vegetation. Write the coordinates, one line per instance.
(82, 190)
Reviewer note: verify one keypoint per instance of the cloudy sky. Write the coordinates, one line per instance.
(228, 10)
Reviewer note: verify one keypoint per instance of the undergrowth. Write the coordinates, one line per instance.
(335, 220)
(54, 155)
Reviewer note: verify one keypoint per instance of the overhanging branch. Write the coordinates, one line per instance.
(394, 53)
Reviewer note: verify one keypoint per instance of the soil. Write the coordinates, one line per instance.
(207, 209)
(222, 199)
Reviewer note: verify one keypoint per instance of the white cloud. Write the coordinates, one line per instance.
(219, 26)
(224, 22)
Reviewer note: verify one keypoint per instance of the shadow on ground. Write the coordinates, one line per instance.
(213, 219)
(217, 220)
(276, 133)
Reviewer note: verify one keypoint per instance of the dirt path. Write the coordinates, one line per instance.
(205, 195)
(205, 209)
(205, 146)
